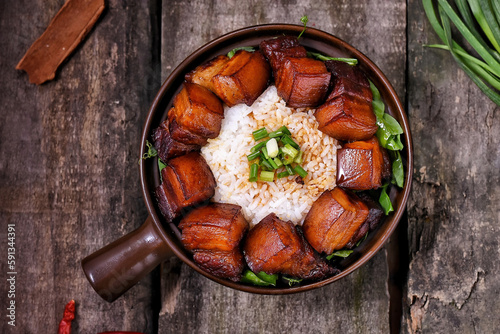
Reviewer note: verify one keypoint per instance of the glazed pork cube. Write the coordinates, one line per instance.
(375, 215)
(213, 233)
(186, 181)
(203, 74)
(166, 146)
(334, 218)
(216, 226)
(342, 85)
(360, 165)
(347, 117)
(196, 110)
(223, 264)
(302, 82)
(243, 78)
(276, 49)
(276, 246)
(340, 69)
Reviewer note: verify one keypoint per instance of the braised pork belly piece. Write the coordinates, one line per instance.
(186, 181)
(276, 49)
(275, 246)
(243, 78)
(213, 233)
(347, 113)
(341, 69)
(375, 215)
(361, 165)
(203, 74)
(346, 117)
(197, 115)
(302, 82)
(333, 220)
(166, 146)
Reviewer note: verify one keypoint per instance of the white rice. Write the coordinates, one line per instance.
(227, 157)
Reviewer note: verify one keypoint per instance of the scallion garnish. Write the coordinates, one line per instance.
(259, 146)
(272, 163)
(253, 155)
(286, 139)
(299, 170)
(272, 148)
(254, 169)
(283, 174)
(277, 152)
(290, 151)
(266, 176)
(260, 134)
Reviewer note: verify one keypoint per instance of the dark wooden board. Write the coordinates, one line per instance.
(68, 164)
(453, 280)
(69, 176)
(357, 304)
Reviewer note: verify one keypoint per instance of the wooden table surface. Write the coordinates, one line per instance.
(69, 178)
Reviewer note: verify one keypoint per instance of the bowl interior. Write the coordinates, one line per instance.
(313, 40)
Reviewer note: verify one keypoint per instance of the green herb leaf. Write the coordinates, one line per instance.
(260, 279)
(291, 281)
(304, 19)
(398, 177)
(340, 253)
(231, 53)
(385, 201)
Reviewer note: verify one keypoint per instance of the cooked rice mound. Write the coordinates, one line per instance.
(227, 157)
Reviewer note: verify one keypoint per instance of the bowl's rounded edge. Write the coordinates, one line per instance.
(313, 38)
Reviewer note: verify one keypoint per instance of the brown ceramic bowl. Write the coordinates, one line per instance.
(118, 266)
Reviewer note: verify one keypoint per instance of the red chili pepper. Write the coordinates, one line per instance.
(69, 315)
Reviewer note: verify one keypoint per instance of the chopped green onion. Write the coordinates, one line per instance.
(280, 132)
(290, 151)
(272, 163)
(254, 168)
(286, 139)
(264, 152)
(253, 156)
(260, 134)
(299, 158)
(287, 159)
(266, 176)
(278, 162)
(283, 174)
(299, 170)
(266, 164)
(272, 148)
(258, 146)
(289, 170)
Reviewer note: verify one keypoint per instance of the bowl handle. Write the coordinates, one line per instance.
(115, 268)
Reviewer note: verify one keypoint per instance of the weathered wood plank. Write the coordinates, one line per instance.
(68, 163)
(357, 304)
(454, 208)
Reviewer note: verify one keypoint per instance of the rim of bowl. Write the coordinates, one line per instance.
(311, 34)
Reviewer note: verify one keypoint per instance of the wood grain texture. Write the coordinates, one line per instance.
(454, 207)
(357, 304)
(68, 164)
